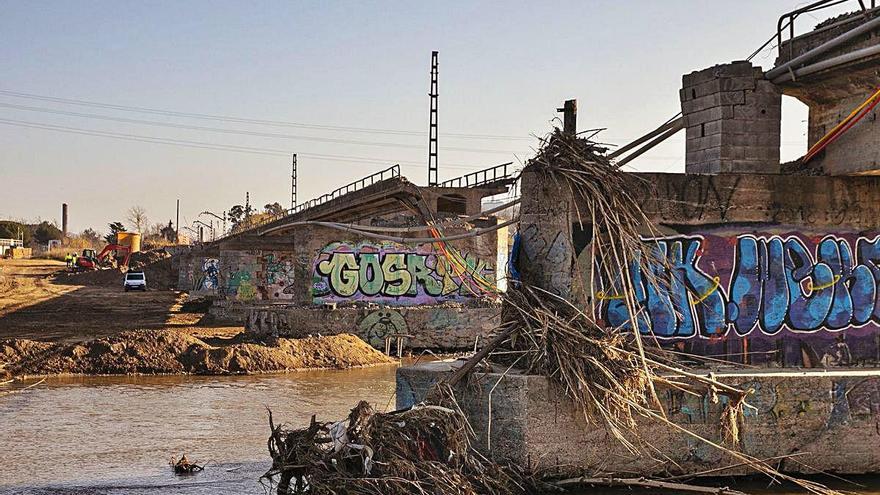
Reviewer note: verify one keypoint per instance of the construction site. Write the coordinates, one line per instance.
(564, 326)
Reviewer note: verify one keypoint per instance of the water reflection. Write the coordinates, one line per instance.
(83, 430)
(115, 435)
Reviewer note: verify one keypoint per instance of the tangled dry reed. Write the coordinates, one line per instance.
(422, 450)
(610, 373)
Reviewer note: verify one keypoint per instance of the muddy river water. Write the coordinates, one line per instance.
(114, 435)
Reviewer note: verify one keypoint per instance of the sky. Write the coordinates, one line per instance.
(313, 67)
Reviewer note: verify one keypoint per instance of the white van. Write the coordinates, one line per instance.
(135, 281)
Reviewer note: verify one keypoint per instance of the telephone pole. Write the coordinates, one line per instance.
(177, 225)
(293, 183)
(432, 127)
(569, 112)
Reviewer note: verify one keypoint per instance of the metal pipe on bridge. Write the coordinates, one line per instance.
(830, 63)
(777, 73)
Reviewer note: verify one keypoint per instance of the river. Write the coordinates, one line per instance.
(115, 435)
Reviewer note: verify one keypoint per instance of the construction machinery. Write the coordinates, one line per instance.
(87, 261)
(113, 255)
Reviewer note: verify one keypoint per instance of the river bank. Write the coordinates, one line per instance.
(171, 351)
(52, 322)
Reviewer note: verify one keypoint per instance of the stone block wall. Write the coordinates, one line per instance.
(832, 418)
(732, 118)
(440, 327)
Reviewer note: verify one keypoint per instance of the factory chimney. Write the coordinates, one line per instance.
(63, 222)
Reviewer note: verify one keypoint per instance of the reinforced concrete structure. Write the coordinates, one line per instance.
(775, 277)
(315, 271)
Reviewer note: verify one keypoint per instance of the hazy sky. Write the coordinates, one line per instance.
(504, 68)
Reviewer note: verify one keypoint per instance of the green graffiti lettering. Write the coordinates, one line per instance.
(370, 274)
(342, 269)
(422, 275)
(397, 278)
(393, 275)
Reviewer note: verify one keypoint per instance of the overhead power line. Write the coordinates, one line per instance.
(214, 146)
(245, 120)
(237, 131)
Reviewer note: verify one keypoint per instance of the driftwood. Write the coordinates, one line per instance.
(184, 465)
(422, 450)
(18, 390)
(646, 483)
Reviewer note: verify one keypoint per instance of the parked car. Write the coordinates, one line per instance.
(135, 281)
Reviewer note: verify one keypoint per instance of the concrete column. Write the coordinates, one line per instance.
(547, 256)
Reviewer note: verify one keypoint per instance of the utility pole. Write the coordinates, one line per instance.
(569, 112)
(293, 183)
(247, 204)
(177, 225)
(432, 126)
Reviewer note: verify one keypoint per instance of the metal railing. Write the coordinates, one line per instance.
(822, 4)
(480, 178)
(389, 173)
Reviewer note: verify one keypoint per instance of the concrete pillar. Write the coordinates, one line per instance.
(733, 119)
(547, 256)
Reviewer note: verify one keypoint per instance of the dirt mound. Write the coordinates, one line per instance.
(142, 259)
(5, 284)
(155, 264)
(177, 352)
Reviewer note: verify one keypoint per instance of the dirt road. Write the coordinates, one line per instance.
(35, 306)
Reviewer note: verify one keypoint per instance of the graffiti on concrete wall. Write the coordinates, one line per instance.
(382, 323)
(202, 274)
(394, 274)
(716, 286)
(775, 282)
(257, 276)
(278, 276)
(210, 274)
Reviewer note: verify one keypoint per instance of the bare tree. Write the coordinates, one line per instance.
(137, 216)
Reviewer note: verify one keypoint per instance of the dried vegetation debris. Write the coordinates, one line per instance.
(423, 450)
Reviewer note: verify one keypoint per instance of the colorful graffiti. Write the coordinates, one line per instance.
(211, 274)
(241, 287)
(776, 281)
(278, 274)
(394, 274)
(381, 323)
(256, 276)
(733, 286)
(202, 274)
